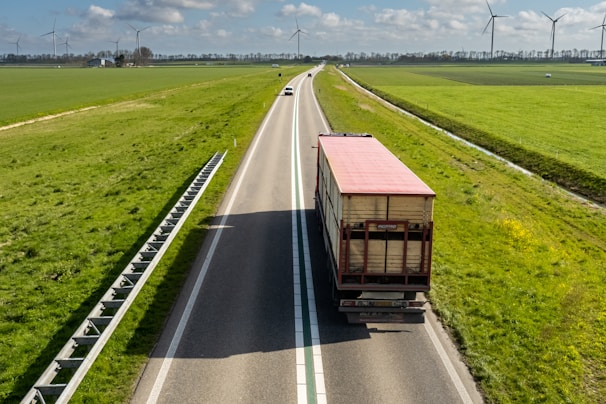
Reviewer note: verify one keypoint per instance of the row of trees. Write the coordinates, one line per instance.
(144, 56)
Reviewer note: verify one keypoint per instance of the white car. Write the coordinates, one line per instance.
(288, 90)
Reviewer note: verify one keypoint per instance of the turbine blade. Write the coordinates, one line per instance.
(293, 35)
(490, 9)
(556, 20)
(487, 25)
(547, 16)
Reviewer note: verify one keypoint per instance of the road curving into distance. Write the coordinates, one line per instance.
(254, 322)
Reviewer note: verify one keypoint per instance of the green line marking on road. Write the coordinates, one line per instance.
(302, 269)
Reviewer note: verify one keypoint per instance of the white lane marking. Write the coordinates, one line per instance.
(176, 340)
(320, 112)
(298, 206)
(454, 376)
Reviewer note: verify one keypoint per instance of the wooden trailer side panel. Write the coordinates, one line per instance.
(331, 202)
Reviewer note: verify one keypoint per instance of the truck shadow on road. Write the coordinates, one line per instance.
(246, 302)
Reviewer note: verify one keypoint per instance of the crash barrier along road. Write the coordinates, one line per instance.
(67, 370)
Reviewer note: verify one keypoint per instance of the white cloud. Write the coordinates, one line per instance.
(136, 10)
(301, 10)
(221, 33)
(99, 12)
(331, 20)
(399, 18)
(184, 4)
(272, 32)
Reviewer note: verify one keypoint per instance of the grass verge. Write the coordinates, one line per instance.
(518, 275)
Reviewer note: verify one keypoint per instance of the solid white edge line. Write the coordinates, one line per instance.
(454, 376)
(176, 340)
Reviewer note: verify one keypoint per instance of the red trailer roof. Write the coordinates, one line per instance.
(362, 165)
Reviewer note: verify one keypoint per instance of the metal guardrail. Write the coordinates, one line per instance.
(65, 373)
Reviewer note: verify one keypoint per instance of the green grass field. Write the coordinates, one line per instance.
(80, 194)
(519, 269)
(29, 93)
(551, 122)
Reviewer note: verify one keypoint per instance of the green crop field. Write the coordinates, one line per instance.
(519, 269)
(488, 75)
(29, 93)
(80, 194)
(553, 126)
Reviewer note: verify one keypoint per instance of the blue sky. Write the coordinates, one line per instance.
(266, 26)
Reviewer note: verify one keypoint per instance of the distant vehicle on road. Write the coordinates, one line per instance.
(288, 90)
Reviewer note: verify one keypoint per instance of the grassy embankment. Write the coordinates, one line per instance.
(549, 126)
(519, 267)
(81, 193)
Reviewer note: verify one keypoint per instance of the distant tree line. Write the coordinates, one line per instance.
(144, 56)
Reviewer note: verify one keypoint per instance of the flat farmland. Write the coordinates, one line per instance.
(512, 107)
(80, 193)
(29, 93)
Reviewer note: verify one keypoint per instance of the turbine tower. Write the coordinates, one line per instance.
(138, 48)
(54, 37)
(298, 33)
(491, 21)
(603, 26)
(17, 44)
(66, 43)
(116, 42)
(553, 26)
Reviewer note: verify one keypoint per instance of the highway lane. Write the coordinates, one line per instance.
(238, 334)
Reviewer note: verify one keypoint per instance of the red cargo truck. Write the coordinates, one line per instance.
(376, 218)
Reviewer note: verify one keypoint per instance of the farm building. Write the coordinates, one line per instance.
(100, 62)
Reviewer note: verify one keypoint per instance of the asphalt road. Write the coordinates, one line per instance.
(254, 323)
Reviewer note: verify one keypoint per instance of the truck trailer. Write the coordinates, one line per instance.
(376, 218)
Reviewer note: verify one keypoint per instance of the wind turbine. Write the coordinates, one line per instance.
(66, 43)
(492, 18)
(298, 33)
(603, 26)
(553, 26)
(138, 31)
(18, 46)
(54, 36)
(116, 42)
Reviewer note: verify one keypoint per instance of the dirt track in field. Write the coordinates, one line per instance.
(43, 118)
